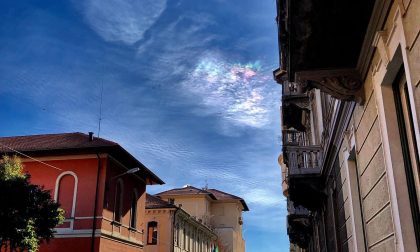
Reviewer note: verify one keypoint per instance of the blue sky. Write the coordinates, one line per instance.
(187, 89)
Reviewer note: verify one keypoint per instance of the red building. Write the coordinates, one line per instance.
(104, 204)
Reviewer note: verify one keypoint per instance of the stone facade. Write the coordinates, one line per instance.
(367, 190)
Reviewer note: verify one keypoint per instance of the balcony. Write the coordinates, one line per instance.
(304, 174)
(295, 106)
(299, 225)
(296, 210)
(293, 90)
(293, 137)
(304, 160)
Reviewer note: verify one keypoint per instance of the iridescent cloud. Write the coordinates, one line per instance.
(236, 91)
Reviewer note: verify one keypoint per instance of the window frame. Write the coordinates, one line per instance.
(153, 238)
(118, 201)
(133, 209)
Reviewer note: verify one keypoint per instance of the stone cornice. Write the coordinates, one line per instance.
(343, 84)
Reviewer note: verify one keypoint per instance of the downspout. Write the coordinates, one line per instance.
(173, 234)
(92, 244)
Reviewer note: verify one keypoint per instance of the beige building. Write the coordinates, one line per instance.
(350, 72)
(170, 228)
(220, 211)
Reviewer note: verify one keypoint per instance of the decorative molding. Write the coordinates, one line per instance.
(343, 84)
(377, 20)
(380, 42)
(73, 207)
(402, 6)
(64, 157)
(60, 233)
(87, 217)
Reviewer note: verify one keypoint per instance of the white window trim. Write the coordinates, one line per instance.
(73, 208)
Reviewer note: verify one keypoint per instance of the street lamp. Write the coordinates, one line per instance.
(131, 171)
(107, 184)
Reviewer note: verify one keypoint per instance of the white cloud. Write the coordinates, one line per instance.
(263, 197)
(122, 21)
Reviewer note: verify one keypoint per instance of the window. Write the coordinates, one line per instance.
(65, 193)
(133, 220)
(152, 233)
(177, 234)
(408, 146)
(184, 245)
(118, 201)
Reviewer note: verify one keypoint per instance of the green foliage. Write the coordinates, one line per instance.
(10, 168)
(28, 215)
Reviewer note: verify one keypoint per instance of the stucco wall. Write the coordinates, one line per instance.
(78, 230)
(225, 220)
(195, 205)
(165, 226)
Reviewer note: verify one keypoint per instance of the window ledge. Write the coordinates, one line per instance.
(116, 223)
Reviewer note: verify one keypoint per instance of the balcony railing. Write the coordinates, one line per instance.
(296, 210)
(294, 137)
(302, 160)
(293, 89)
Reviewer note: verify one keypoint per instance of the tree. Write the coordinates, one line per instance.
(28, 215)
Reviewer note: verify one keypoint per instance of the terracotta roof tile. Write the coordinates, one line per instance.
(186, 190)
(63, 141)
(212, 193)
(156, 202)
(227, 196)
(68, 143)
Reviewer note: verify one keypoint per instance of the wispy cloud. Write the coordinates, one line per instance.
(175, 45)
(195, 80)
(237, 92)
(122, 21)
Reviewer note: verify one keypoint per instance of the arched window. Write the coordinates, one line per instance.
(118, 201)
(65, 192)
(133, 220)
(152, 233)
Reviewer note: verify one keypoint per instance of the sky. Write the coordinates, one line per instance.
(187, 89)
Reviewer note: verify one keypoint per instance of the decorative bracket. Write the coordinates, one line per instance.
(343, 84)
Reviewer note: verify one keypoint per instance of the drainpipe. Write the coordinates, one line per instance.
(92, 244)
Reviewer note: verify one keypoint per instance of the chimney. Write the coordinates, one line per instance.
(90, 136)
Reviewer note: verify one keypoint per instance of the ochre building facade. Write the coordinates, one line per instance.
(170, 228)
(220, 211)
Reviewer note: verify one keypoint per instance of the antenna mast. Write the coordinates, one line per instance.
(100, 110)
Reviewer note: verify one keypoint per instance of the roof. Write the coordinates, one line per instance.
(227, 196)
(186, 190)
(153, 202)
(71, 143)
(46, 142)
(214, 194)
